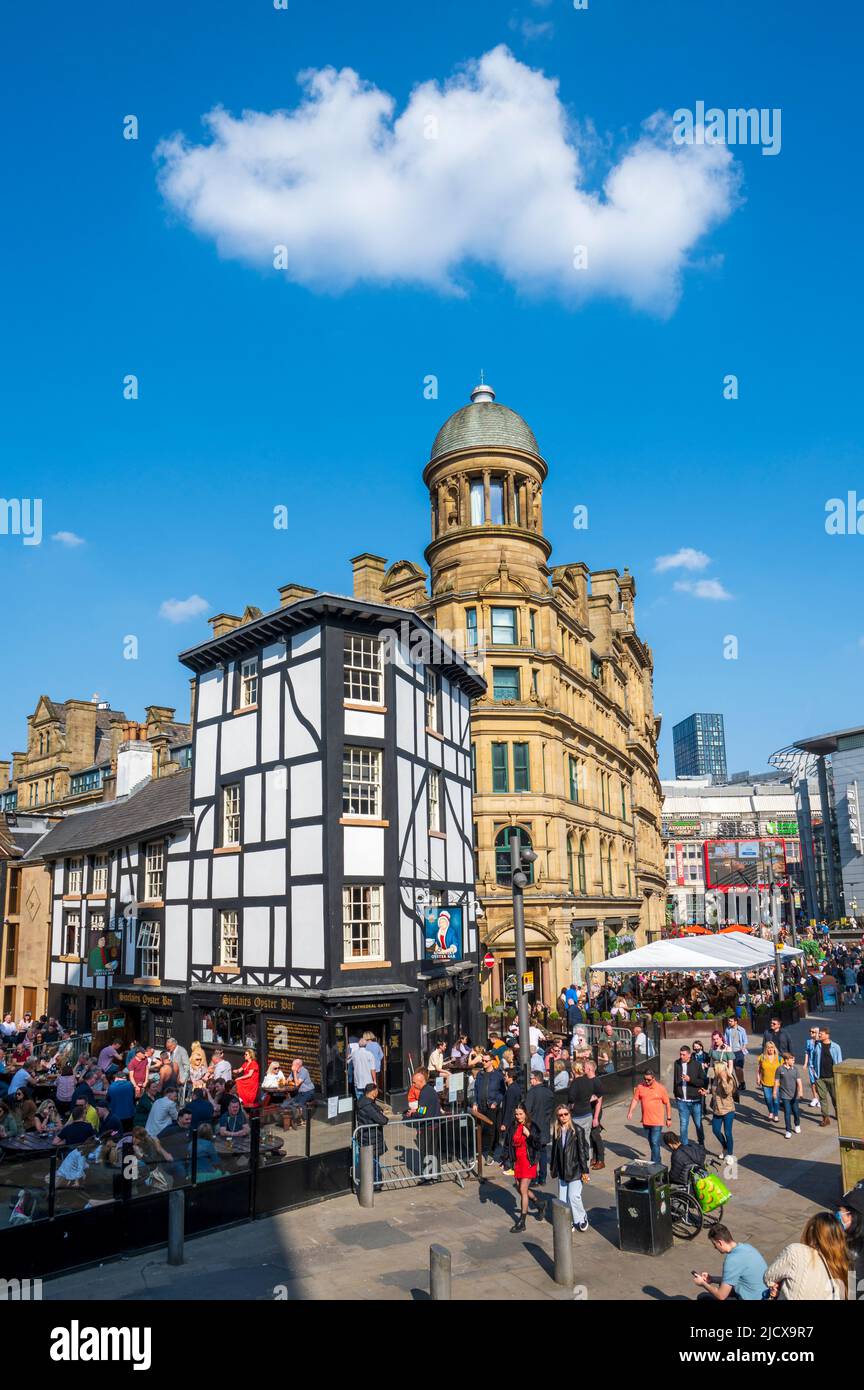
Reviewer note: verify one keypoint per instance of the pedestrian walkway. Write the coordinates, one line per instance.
(335, 1250)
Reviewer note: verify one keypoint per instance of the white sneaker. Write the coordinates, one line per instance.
(583, 1225)
(797, 1129)
(788, 1134)
(814, 1104)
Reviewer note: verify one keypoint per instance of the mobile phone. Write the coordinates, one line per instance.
(695, 1273)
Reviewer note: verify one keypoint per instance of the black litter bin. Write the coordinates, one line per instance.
(644, 1215)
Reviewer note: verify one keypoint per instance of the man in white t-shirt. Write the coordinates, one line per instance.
(640, 1041)
(364, 1069)
(535, 1035)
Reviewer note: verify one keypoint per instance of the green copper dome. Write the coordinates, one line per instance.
(483, 423)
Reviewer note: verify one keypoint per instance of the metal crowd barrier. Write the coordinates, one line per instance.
(67, 1050)
(594, 1033)
(408, 1152)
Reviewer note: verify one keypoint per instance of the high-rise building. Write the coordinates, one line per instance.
(699, 744)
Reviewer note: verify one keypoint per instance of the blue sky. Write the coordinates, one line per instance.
(256, 390)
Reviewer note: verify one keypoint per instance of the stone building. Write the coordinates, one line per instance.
(25, 898)
(565, 739)
(71, 754)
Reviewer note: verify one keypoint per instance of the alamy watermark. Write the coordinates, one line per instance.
(737, 126)
(844, 516)
(22, 516)
(432, 647)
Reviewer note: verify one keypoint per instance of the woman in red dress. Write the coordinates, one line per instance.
(247, 1082)
(523, 1148)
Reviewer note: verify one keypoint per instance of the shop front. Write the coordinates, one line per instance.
(125, 1015)
(450, 1007)
(503, 980)
(318, 1027)
(582, 933)
(618, 937)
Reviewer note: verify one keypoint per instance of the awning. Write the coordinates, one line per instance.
(729, 951)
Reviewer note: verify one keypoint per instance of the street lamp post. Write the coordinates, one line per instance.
(520, 857)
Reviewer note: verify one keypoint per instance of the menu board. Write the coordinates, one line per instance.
(288, 1038)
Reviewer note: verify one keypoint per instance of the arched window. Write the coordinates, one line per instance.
(580, 866)
(503, 872)
(608, 868)
(571, 865)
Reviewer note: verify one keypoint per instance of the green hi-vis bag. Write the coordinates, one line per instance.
(711, 1192)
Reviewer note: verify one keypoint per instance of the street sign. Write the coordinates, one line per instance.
(488, 960)
(528, 982)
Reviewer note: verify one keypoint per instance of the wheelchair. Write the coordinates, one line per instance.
(688, 1218)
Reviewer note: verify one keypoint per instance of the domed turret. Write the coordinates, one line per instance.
(483, 422)
(485, 477)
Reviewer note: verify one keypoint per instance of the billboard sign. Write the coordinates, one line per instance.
(743, 864)
(443, 934)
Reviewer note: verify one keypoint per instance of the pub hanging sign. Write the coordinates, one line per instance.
(443, 934)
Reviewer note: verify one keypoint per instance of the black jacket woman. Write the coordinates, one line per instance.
(570, 1163)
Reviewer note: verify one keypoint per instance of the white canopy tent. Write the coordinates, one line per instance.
(748, 950)
(720, 951)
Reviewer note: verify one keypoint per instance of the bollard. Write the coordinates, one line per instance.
(367, 1177)
(440, 1263)
(562, 1243)
(176, 1220)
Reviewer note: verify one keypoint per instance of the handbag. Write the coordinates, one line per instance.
(711, 1191)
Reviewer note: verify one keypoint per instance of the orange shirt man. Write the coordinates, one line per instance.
(656, 1109)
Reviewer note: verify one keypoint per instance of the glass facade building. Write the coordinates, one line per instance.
(699, 745)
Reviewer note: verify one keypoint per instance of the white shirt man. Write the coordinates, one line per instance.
(535, 1035)
(364, 1068)
(640, 1043)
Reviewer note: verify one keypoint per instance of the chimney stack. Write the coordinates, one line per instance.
(224, 622)
(369, 576)
(290, 593)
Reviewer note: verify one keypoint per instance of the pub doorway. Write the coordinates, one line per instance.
(387, 1033)
(533, 965)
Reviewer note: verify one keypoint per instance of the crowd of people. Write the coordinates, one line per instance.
(709, 1082)
(144, 1100)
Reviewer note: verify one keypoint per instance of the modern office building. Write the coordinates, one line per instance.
(699, 745)
(836, 761)
(719, 843)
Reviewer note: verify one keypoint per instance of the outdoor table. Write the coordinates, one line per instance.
(28, 1145)
(268, 1147)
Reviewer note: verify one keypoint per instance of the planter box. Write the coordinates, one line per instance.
(692, 1028)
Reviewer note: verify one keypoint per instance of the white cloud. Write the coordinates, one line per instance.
(180, 610)
(359, 194)
(684, 559)
(530, 29)
(702, 588)
(68, 538)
